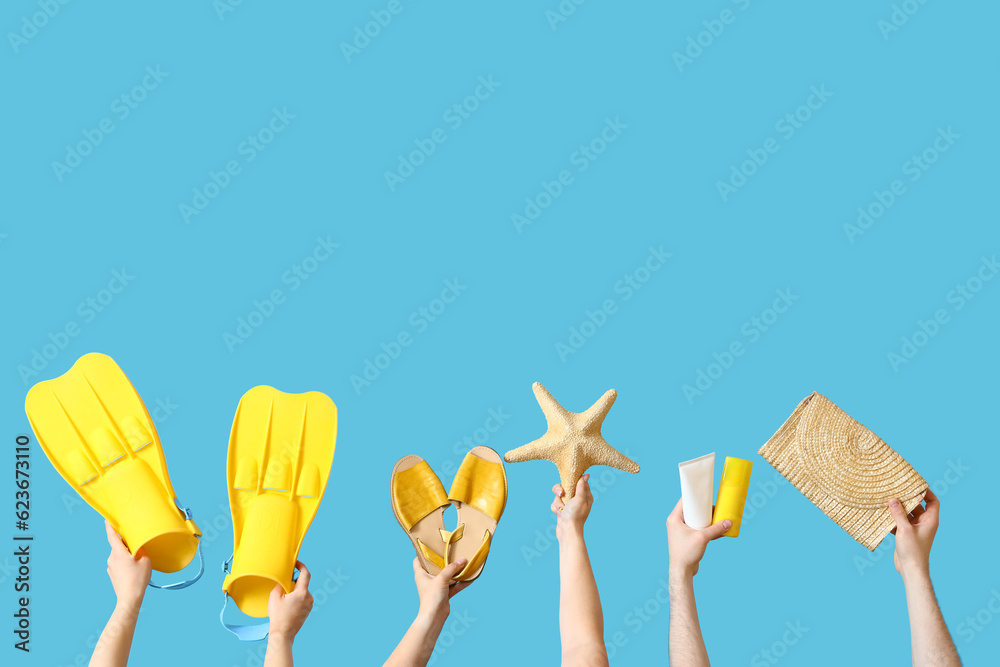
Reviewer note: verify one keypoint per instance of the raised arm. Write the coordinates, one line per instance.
(287, 613)
(129, 577)
(930, 642)
(687, 546)
(435, 593)
(581, 620)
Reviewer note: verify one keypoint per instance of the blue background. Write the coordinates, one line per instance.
(655, 185)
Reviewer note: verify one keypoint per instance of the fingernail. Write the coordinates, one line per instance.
(893, 503)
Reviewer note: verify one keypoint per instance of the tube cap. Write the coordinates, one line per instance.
(736, 472)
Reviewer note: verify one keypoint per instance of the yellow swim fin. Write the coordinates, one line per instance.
(96, 431)
(280, 454)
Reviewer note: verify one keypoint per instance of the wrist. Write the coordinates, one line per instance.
(566, 530)
(915, 573)
(429, 615)
(129, 605)
(682, 573)
(279, 639)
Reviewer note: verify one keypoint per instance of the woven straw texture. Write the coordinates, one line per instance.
(843, 468)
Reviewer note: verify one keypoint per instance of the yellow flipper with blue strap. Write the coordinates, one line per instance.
(280, 454)
(96, 431)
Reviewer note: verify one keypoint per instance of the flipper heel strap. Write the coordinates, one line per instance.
(189, 519)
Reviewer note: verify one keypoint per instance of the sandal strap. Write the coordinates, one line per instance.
(449, 537)
(431, 555)
(480, 484)
(417, 492)
(477, 560)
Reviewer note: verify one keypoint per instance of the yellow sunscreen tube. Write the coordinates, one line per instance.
(732, 494)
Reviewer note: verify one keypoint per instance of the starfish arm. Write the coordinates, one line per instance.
(595, 414)
(606, 455)
(555, 415)
(533, 451)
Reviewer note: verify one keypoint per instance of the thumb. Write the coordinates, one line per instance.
(113, 538)
(451, 569)
(898, 514)
(717, 530)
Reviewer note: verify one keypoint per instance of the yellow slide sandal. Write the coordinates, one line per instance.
(479, 492)
(419, 502)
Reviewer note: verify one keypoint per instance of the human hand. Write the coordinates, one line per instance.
(288, 611)
(915, 534)
(129, 574)
(572, 514)
(686, 545)
(435, 592)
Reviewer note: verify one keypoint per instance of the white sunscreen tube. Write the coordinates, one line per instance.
(697, 490)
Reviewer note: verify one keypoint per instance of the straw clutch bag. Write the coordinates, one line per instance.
(843, 468)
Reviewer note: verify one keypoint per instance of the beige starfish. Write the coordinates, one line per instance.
(573, 441)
